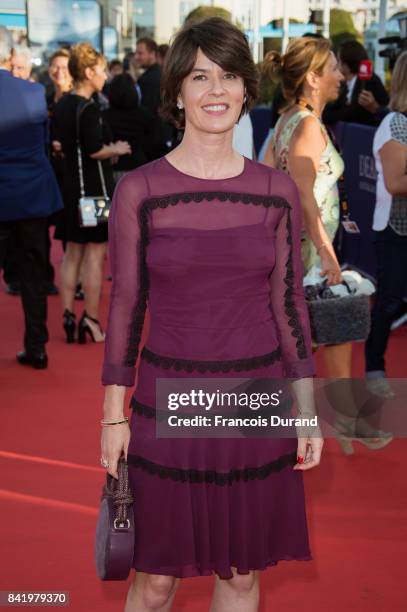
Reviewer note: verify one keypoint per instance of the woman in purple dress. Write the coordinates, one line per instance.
(210, 241)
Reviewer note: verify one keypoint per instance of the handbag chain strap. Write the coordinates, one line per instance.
(122, 495)
(79, 112)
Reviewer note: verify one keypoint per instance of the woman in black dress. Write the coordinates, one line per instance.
(129, 121)
(85, 246)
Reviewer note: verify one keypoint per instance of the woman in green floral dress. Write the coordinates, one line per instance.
(301, 146)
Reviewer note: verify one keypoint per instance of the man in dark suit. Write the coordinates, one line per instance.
(28, 195)
(146, 57)
(351, 106)
(149, 82)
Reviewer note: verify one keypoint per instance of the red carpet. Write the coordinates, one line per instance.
(51, 482)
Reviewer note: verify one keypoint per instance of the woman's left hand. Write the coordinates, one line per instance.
(308, 453)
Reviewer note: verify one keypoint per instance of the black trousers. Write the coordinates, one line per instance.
(31, 260)
(10, 264)
(391, 252)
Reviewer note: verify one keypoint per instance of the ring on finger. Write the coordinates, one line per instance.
(104, 462)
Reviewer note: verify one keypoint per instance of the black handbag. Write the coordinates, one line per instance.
(92, 209)
(114, 543)
(337, 319)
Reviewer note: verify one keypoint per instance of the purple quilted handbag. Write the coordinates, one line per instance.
(114, 544)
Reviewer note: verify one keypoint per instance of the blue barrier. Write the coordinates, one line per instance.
(356, 144)
(261, 118)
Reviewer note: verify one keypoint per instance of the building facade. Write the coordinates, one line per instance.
(162, 18)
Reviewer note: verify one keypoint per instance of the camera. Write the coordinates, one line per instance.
(395, 44)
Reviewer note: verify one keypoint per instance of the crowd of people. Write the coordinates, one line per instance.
(150, 144)
(120, 128)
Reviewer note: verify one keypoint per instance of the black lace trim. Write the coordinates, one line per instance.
(138, 315)
(137, 321)
(209, 196)
(289, 303)
(191, 365)
(142, 409)
(212, 476)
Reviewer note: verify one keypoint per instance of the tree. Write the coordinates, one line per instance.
(342, 28)
(203, 12)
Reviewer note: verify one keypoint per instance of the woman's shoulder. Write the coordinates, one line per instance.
(276, 183)
(392, 127)
(398, 127)
(138, 184)
(297, 122)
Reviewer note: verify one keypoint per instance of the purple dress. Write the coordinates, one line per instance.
(218, 264)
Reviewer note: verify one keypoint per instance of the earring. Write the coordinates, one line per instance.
(180, 105)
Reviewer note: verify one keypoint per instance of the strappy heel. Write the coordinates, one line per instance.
(346, 436)
(69, 323)
(90, 326)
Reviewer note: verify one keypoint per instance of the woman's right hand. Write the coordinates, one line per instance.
(122, 147)
(330, 267)
(114, 443)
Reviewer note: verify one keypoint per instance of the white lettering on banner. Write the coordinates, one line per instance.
(367, 168)
(369, 187)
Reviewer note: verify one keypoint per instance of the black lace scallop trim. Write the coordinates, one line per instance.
(195, 365)
(209, 196)
(138, 315)
(289, 303)
(142, 409)
(212, 476)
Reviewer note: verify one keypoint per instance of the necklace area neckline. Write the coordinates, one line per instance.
(309, 107)
(217, 180)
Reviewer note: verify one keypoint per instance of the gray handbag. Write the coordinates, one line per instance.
(334, 319)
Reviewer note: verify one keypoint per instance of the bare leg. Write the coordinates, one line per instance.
(338, 363)
(240, 594)
(151, 593)
(70, 266)
(338, 360)
(92, 276)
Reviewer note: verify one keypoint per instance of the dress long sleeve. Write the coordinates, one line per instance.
(128, 295)
(287, 294)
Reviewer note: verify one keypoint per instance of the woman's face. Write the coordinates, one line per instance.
(330, 80)
(212, 98)
(59, 73)
(97, 75)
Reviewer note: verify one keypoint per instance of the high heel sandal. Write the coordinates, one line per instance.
(380, 440)
(346, 436)
(69, 319)
(88, 325)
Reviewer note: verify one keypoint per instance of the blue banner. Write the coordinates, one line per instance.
(356, 143)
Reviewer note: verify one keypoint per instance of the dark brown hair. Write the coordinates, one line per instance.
(162, 50)
(83, 56)
(352, 53)
(303, 55)
(224, 44)
(149, 43)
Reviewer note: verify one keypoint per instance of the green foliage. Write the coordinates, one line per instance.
(203, 12)
(342, 28)
(266, 90)
(267, 86)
